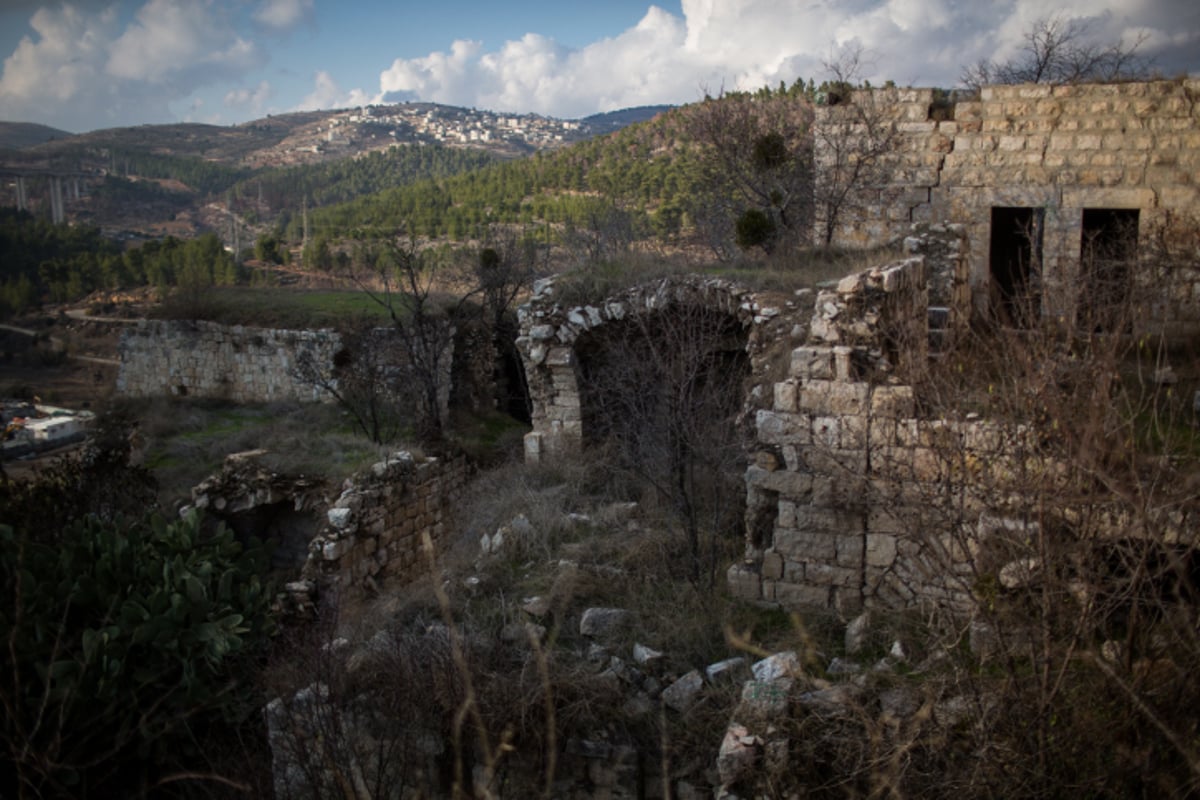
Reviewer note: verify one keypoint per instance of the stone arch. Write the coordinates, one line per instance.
(552, 337)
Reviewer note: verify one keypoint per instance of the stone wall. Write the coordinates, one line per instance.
(858, 497)
(549, 333)
(189, 358)
(372, 530)
(814, 538)
(1057, 149)
(376, 528)
(204, 359)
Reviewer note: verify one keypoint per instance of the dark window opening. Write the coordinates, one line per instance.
(1107, 251)
(1015, 258)
(942, 107)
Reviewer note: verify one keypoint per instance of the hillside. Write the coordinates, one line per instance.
(652, 180)
(19, 135)
(192, 163)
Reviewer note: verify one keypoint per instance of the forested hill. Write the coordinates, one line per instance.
(647, 166)
(654, 179)
(273, 190)
(18, 135)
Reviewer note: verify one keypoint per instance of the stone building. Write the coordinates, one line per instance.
(1060, 190)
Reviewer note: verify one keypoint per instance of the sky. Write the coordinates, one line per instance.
(92, 64)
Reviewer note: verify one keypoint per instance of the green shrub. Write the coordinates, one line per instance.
(126, 640)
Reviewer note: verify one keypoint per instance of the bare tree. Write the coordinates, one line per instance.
(507, 265)
(664, 397)
(367, 378)
(851, 145)
(405, 283)
(601, 230)
(756, 157)
(1058, 50)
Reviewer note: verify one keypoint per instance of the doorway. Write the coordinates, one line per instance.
(1015, 259)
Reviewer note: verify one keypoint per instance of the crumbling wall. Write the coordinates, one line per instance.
(1057, 149)
(548, 333)
(813, 536)
(373, 530)
(377, 527)
(191, 358)
(204, 359)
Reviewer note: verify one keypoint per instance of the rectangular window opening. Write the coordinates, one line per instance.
(1107, 252)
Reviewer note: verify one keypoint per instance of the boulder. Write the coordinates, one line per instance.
(779, 665)
(738, 754)
(605, 623)
(681, 694)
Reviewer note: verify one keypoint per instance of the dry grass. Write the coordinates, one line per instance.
(186, 441)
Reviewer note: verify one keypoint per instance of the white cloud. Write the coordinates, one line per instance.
(81, 69)
(282, 15)
(180, 40)
(750, 43)
(252, 100)
(85, 65)
(62, 58)
(327, 94)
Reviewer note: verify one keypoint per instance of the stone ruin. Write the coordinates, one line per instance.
(336, 541)
(551, 337)
(1036, 175)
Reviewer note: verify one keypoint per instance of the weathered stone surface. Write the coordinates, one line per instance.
(536, 606)
(605, 623)
(1020, 573)
(858, 633)
(646, 656)
(739, 752)
(725, 670)
(780, 665)
(681, 694)
(764, 702)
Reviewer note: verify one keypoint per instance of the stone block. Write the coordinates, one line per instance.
(744, 582)
(826, 432)
(772, 566)
(880, 550)
(804, 545)
(814, 363)
(683, 693)
(604, 623)
(853, 432)
(795, 486)
(893, 401)
(785, 396)
(847, 398)
(849, 550)
(830, 575)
